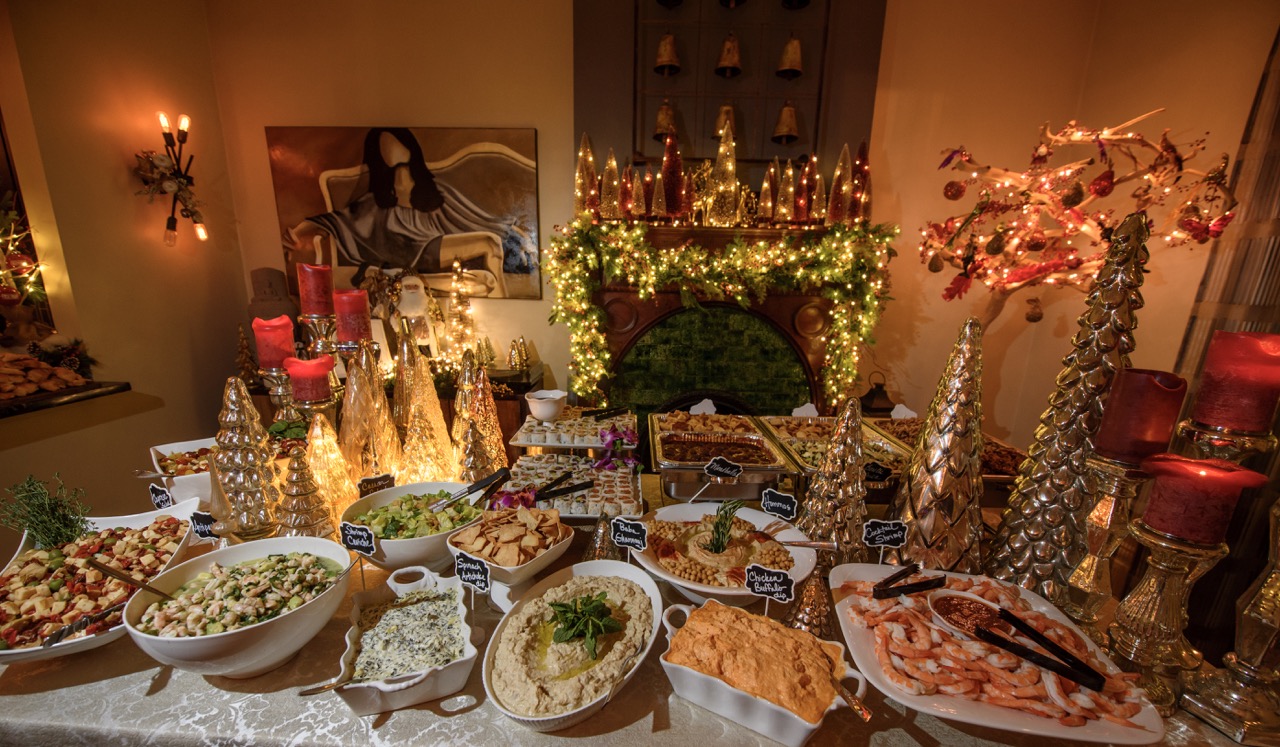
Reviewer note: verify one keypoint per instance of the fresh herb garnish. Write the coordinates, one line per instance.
(720, 529)
(587, 617)
(52, 519)
(288, 429)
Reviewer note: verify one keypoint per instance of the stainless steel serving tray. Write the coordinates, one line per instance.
(882, 470)
(681, 480)
(988, 478)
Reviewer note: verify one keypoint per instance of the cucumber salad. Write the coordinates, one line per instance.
(408, 516)
(237, 596)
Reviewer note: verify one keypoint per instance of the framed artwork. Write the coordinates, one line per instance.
(411, 198)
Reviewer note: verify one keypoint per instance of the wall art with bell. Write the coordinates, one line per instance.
(757, 64)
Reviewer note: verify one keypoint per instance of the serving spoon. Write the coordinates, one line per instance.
(122, 576)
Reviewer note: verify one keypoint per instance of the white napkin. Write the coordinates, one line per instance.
(807, 410)
(705, 407)
(902, 411)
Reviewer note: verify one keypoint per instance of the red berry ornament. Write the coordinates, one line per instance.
(18, 263)
(1103, 183)
(9, 296)
(953, 190)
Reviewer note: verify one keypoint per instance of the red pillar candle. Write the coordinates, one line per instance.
(315, 289)
(275, 340)
(1141, 411)
(1193, 499)
(1240, 382)
(352, 310)
(310, 379)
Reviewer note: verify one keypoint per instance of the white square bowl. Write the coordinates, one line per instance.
(184, 487)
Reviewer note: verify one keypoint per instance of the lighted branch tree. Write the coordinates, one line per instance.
(1048, 224)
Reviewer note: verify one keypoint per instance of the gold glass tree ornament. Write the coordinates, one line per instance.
(329, 468)
(585, 185)
(611, 190)
(246, 468)
(1042, 532)
(834, 508)
(938, 498)
(723, 184)
(784, 204)
(303, 510)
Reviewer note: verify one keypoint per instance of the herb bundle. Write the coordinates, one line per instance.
(288, 429)
(52, 519)
(720, 529)
(586, 617)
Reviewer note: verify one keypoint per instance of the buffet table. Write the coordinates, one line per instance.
(117, 695)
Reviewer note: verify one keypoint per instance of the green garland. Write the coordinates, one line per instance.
(847, 265)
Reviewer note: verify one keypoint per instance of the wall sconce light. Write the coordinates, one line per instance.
(165, 174)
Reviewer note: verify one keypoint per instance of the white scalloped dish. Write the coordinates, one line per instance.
(184, 487)
(133, 521)
(756, 713)
(412, 688)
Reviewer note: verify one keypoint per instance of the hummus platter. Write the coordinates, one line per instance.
(555, 658)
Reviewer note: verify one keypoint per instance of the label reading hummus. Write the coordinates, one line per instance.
(532, 675)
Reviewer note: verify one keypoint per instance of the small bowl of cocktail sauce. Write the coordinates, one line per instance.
(963, 613)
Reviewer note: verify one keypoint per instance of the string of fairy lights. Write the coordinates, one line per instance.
(846, 264)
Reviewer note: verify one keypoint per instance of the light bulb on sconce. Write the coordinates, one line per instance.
(165, 174)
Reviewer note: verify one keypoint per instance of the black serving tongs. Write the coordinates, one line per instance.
(889, 587)
(604, 413)
(85, 621)
(1061, 662)
(567, 490)
(551, 485)
(489, 485)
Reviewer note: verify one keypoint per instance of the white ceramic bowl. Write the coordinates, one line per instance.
(133, 521)
(589, 568)
(757, 714)
(399, 553)
(379, 696)
(805, 559)
(249, 651)
(515, 575)
(546, 404)
(183, 487)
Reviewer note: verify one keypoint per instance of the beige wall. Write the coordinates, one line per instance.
(986, 75)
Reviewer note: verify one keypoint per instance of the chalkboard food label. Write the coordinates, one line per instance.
(358, 538)
(627, 533)
(202, 525)
(876, 533)
(160, 496)
(472, 571)
(767, 582)
(782, 505)
(721, 467)
(375, 483)
(876, 472)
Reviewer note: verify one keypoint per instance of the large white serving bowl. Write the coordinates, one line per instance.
(133, 521)
(391, 554)
(515, 575)
(249, 651)
(433, 683)
(184, 487)
(589, 568)
(805, 559)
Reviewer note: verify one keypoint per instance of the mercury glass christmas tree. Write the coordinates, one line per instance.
(329, 468)
(303, 510)
(1042, 533)
(246, 471)
(938, 498)
(834, 508)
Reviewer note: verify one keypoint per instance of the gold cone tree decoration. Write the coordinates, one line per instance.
(860, 204)
(611, 190)
(585, 186)
(368, 432)
(246, 467)
(427, 455)
(626, 183)
(818, 200)
(764, 208)
(356, 422)
(639, 206)
(475, 457)
(784, 203)
(834, 508)
(303, 511)
(723, 183)
(658, 207)
(672, 176)
(329, 468)
(1042, 533)
(485, 415)
(841, 189)
(939, 495)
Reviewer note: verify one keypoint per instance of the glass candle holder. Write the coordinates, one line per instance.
(315, 289)
(1239, 382)
(351, 309)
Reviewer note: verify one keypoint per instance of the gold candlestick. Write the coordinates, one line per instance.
(1089, 585)
(280, 392)
(1242, 700)
(327, 407)
(1146, 636)
(318, 330)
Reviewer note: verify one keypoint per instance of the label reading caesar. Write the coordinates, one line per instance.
(767, 582)
(472, 571)
(627, 533)
(721, 467)
(357, 538)
(160, 496)
(876, 533)
(202, 525)
(876, 472)
(375, 483)
(782, 505)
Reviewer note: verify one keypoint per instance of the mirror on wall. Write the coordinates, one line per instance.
(25, 316)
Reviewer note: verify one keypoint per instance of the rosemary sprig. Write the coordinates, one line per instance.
(52, 519)
(586, 617)
(720, 529)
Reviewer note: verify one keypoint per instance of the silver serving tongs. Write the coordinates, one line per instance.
(489, 485)
(60, 634)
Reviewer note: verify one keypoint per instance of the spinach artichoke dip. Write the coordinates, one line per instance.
(409, 634)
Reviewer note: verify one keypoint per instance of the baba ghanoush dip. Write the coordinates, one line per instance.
(535, 675)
